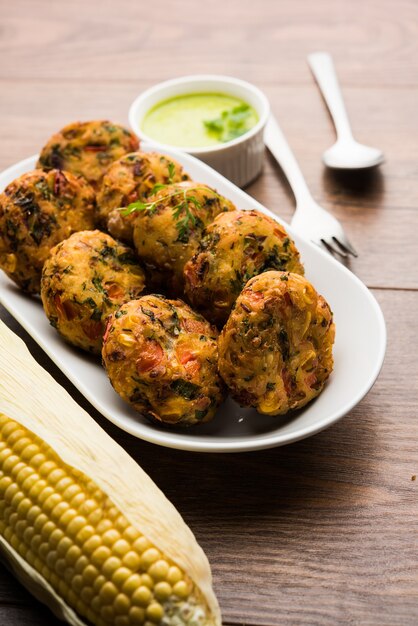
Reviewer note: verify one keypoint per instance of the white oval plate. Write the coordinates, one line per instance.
(359, 349)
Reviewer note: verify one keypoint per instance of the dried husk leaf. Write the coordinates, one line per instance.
(37, 585)
(30, 396)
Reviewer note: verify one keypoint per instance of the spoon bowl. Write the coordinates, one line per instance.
(348, 154)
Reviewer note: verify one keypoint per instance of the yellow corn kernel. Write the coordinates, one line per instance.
(11, 461)
(90, 574)
(131, 584)
(100, 556)
(154, 612)
(149, 557)
(120, 576)
(81, 564)
(162, 590)
(46, 492)
(181, 589)
(107, 613)
(174, 575)
(147, 581)
(63, 546)
(136, 615)
(92, 544)
(110, 537)
(131, 534)
(141, 544)
(126, 340)
(16, 468)
(120, 547)
(108, 592)
(121, 604)
(84, 534)
(131, 560)
(159, 570)
(111, 565)
(46, 468)
(56, 537)
(86, 593)
(141, 596)
(47, 530)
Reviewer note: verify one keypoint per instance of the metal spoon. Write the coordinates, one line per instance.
(346, 153)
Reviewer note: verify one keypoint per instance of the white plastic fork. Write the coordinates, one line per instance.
(310, 220)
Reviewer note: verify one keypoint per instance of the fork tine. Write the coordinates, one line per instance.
(346, 246)
(333, 249)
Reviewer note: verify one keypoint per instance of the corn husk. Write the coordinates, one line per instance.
(30, 396)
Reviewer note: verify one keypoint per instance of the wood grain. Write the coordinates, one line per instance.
(263, 41)
(325, 531)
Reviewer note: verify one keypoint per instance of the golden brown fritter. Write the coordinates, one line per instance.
(37, 211)
(275, 351)
(85, 279)
(234, 248)
(168, 229)
(129, 179)
(87, 148)
(162, 358)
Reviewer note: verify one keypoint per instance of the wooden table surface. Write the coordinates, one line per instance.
(322, 532)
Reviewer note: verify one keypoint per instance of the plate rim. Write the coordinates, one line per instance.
(176, 440)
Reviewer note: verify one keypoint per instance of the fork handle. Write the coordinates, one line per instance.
(323, 69)
(279, 148)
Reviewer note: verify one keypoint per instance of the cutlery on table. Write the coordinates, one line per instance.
(309, 219)
(346, 153)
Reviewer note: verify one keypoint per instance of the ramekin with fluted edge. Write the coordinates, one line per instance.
(241, 159)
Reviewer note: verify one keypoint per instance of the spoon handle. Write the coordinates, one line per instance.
(280, 149)
(324, 71)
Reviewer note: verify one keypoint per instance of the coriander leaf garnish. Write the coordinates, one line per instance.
(157, 188)
(231, 124)
(182, 208)
(137, 206)
(171, 171)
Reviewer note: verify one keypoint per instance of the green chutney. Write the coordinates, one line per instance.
(199, 120)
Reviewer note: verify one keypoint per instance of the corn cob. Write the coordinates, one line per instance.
(71, 525)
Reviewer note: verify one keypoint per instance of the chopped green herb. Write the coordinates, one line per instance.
(184, 388)
(284, 344)
(96, 315)
(199, 415)
(90, 302)
(53, 321)
(231, 124)
(42, 186)
(171, 171)
(128, 258)
(157, 187)
(148, 313)
(97, 282)
(107, 251)
(182, 209)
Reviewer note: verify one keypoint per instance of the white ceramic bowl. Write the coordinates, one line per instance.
(241, 159)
